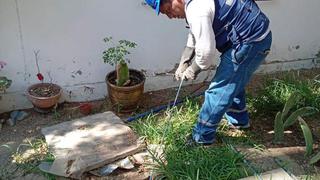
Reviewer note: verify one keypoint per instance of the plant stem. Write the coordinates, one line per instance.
(36, 54)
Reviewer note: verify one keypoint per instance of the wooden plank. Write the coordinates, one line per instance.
(89, 142)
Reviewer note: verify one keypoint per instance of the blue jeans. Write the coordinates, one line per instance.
(226, 92)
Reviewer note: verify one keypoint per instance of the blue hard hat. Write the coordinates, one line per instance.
(155, 4)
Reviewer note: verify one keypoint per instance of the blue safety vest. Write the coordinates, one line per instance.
(239, 21)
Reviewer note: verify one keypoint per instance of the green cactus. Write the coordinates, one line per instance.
(115, 55)
(122, 74)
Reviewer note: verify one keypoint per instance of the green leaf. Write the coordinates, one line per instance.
(315, 158)
(278, 128)
(305, 111)
(6, 146)
(293, 99)
(115, 54)
(307, 136)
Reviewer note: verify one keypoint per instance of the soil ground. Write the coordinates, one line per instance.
(261, 127)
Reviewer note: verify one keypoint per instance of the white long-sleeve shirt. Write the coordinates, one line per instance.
(200, 15)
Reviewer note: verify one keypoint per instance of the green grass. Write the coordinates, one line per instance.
(28, 162)
(201, 163)
(181, 162)
(173, 127)
(276, 92)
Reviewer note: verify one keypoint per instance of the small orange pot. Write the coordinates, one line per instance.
(44, 102)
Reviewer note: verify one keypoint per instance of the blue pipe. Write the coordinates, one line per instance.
(160, 108)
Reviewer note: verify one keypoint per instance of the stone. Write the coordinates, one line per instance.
(11, 122)
(276, 174)
(18, 115)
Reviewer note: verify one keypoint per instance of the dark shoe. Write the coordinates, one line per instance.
(231, 126)
(192, 143)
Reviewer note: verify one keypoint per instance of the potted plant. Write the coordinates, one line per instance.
(43, 96)
(125, 86)
(5, 83)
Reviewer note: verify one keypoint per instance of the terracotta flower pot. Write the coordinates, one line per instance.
(126, 99)
(41, 99)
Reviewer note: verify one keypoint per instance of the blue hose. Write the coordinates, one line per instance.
(160, 108)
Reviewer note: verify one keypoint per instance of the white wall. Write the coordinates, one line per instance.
(69, 36)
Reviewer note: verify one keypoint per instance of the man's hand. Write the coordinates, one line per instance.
(180, 70)
(192, 71)
(185, 61)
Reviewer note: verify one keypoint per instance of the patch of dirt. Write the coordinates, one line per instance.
(135, 78)
(44, 90)
(138, 173)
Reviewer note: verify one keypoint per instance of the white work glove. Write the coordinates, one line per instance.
(191, 73)
(185, 61)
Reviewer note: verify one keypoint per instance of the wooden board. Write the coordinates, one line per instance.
(88, 143)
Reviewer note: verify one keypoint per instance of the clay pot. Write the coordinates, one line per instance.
(44, 102)
(126, 99)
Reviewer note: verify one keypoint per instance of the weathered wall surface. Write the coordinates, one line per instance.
(68, 35)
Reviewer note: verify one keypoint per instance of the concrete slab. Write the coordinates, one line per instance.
(284, 155)
(276, 174)
(264, 160)
(88, 143)
(31, 176)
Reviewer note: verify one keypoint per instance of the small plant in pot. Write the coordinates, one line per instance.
(5, 83)
(43, 96)
(125, 86)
